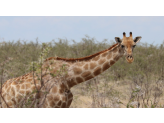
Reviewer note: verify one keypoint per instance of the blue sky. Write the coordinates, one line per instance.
(47, 28)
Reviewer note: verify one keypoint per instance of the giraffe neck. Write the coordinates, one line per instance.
(84, 70)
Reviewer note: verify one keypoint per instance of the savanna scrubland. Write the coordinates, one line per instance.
(140, 84)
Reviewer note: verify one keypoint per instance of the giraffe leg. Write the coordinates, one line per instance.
(69, 99)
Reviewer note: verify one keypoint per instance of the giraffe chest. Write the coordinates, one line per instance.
(59, 100)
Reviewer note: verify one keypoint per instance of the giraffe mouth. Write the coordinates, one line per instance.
(129, 59)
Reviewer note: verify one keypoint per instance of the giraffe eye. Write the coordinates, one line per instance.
(122, 46)
(134, 46)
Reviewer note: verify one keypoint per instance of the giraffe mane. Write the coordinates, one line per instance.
(82, 58)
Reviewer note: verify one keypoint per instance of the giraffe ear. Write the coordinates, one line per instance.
(137, 39)
(118, 40)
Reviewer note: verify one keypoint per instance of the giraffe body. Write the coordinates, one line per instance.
(14, 90)
(77, 71)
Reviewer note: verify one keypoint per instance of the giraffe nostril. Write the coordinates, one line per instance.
(129, 57)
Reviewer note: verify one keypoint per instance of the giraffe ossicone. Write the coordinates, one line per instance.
(55, 91)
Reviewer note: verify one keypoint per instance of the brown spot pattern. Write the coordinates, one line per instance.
(33, 87)
(17, 87)
(109, 56)
(28, 86)
(22, 92)
(61, 91)
(4, 105)
(22, 86)
(52, 103)
(56, 98)
(97, 71)
(77, 71)
(92, 65)
(8, 97)
(79, 79)
(86, 67)
(5, 87)
(14, 83)
(19, 98)
(14, 101)
(88, 77)
(79, 64)
(63, 105)
(63, 98)
(87, 73)
(69, 103)
(96, 58)
(12, 91)
(29, 80)
(106, 66)
(54, 89)
(49, 97)
(8, 89)
(59, 103)
(116, 57)
(28, 92)
(71, 83)
(10, 104)
(70, 95)
(18, 95)
(62, 86)
(112, 62)
(115, 50)
(101, 61)
(104, 54)
(45, 103)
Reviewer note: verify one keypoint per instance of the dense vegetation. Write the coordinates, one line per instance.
(139, 84)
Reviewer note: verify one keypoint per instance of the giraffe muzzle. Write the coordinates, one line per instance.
(129, 58)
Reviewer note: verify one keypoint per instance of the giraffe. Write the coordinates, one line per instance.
(77, 70)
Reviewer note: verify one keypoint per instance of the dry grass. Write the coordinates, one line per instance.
(139, 84)
(117, 94)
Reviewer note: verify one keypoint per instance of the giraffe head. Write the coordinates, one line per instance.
(127, 44)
